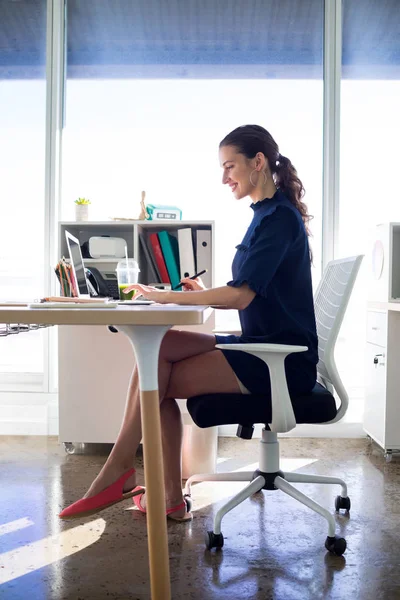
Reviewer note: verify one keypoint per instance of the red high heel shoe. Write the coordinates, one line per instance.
(111, 495)
(186, 503)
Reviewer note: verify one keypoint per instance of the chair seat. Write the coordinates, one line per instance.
(318, 406)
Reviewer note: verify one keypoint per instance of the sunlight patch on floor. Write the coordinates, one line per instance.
(15, 525)
(292, 464)
(39, 554)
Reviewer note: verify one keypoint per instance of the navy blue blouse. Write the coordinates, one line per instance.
(274, 260)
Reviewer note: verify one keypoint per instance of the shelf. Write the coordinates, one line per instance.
(93, 261)
(155, 223)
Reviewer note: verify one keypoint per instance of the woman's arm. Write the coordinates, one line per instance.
(228, 296)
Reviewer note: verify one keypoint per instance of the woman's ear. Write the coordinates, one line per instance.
(260, 161)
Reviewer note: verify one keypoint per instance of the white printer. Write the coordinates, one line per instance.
(105, 246)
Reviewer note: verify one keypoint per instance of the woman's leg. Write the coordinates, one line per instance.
(172, 437)
(176, 346)
(207, 373)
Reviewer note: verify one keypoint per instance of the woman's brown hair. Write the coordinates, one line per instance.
(250, 139)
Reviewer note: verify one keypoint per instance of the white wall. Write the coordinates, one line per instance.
(24, 413)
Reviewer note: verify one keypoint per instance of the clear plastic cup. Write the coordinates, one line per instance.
(127, 273)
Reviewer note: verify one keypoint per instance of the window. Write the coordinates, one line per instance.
(151, 90)
(370, 129)
(22, 148)
(149, 102)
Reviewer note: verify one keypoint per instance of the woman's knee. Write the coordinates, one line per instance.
(206, 374)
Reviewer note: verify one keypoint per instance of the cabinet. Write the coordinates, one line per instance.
(382, 391)
(382, 375)
(95, 365)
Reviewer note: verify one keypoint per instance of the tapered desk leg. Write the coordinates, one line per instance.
(146, 340)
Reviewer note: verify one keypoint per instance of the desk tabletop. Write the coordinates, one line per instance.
(393, 306)
(153, 314)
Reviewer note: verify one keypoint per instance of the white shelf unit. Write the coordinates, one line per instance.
(95, 365)
(103, 261)
(130, 231)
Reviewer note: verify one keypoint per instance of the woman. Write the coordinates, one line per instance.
(271, 288)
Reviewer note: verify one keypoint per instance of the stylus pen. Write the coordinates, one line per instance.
(193, 277)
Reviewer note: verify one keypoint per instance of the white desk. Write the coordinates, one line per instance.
(145, 326)
(392, 306)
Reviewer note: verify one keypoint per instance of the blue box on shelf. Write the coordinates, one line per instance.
(163, 213)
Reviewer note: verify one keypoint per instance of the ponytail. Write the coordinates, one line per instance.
(291, 186)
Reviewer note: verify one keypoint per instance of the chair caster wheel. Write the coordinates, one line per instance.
(69, 448)
(336, 545)
(342, 503)
(388, 456)
(189, 502)
(213, 540)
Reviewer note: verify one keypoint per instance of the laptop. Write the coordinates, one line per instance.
(78, 268)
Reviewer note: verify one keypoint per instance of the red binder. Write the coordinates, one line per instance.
(158, 255)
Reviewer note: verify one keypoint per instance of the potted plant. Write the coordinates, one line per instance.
(82, 209)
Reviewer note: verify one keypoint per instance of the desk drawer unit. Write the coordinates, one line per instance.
(382, 379)
(377, 327)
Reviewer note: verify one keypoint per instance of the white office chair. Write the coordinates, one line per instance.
(319, 406)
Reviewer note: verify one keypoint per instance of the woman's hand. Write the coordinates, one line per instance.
(148, 292)
(192, 284)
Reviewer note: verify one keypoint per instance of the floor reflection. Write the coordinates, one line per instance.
(274, 546)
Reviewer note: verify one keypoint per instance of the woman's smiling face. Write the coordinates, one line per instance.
(236, 171)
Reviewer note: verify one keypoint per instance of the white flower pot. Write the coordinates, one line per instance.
(81, 212)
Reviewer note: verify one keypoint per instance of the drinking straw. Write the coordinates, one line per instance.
(126, 258)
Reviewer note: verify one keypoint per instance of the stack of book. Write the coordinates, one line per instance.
(171, 256)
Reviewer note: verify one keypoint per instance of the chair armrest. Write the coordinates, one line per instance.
(274, 355)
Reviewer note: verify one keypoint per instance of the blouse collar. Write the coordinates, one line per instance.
(257, 205)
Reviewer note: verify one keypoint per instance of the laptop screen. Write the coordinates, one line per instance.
(78, 267)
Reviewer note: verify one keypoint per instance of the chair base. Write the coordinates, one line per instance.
(270, 477)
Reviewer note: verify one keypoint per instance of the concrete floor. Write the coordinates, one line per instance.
(274, 547)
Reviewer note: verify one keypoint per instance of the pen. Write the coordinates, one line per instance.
(193, 277)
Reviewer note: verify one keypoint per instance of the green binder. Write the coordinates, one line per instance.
(170, 250)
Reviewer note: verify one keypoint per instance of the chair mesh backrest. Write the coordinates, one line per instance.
(330, 304)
